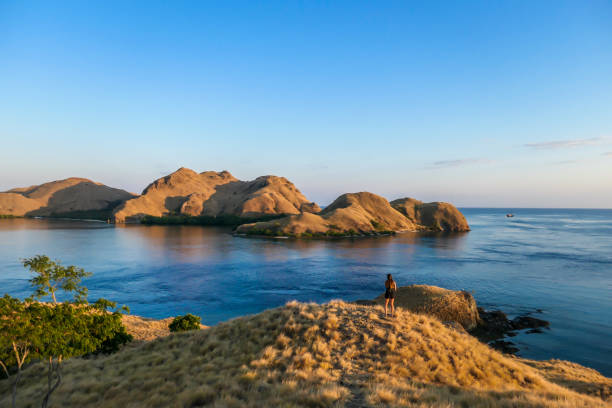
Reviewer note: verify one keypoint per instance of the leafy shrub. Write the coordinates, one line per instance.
(185, 323)
(109, 326)
(377, 225)
(113, 344)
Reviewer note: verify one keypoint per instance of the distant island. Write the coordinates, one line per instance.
(266, 206)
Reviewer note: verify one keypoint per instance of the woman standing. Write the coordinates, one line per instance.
(390, 288)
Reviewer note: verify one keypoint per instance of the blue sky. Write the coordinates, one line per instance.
(503, 104)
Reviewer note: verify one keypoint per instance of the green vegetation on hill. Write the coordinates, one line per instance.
(351, 233)
(221, 220)
(101, 215)
(52, 332)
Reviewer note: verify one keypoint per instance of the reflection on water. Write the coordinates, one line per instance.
(559, 261)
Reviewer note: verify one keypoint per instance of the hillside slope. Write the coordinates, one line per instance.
(331, 355)
(186, 192)
(73, 197)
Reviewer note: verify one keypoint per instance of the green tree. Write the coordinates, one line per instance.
(17, 340)
(51, 276)
(67, 333)
(30, 330)
(52, 333)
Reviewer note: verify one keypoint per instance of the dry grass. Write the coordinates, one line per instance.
(145, 329)
(307, 355)
(574, 376)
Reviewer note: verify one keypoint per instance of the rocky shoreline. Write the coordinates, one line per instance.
(495, 327)
(458, 310)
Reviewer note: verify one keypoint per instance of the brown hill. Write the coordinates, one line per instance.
(72, 197)
(186, 192)
(436, 216)
(309, 355)
(349, 214)
(364, 213)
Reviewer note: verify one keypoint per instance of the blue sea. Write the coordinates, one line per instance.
(553, 263)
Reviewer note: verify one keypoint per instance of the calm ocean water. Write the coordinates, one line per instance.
(559, 261)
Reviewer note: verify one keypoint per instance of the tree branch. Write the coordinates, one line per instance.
(5, 369)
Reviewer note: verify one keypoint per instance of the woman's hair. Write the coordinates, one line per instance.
(389, 277)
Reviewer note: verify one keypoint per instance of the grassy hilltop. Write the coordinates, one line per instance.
(331, 355)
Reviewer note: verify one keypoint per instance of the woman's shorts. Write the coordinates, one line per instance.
(389, 294)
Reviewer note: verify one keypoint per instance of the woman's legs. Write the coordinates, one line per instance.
(386, 303)
(392, 307)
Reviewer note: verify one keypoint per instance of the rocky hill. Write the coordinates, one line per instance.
(310, 355)
(72, 197)
(436, 216)
(213, 196)
(186, 192)
(348, 214)
(363, 214)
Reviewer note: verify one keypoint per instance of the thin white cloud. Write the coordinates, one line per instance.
(607, 154)
(458, 162)
(564, 162)
(561, 144)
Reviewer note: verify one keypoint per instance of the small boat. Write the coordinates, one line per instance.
(509, 215)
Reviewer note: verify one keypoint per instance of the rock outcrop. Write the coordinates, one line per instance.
(445, 304)
(458, 309)
(349, 214)
(186, 192)
(435, 216)
(72, 197)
